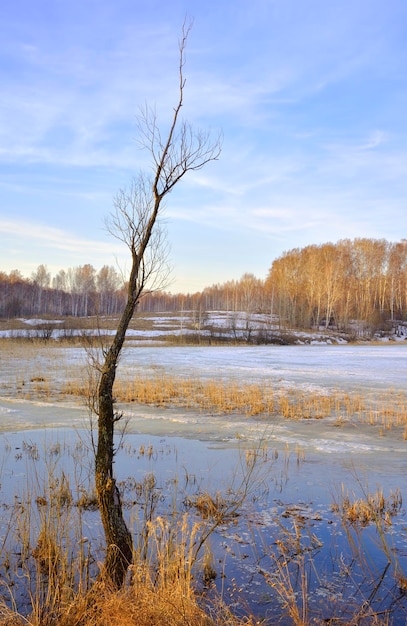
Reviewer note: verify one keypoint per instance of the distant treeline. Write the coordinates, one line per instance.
(330, 284)
(336, 284)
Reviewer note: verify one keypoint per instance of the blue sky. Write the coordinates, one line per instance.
(310, 95)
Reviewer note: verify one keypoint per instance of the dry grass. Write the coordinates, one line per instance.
(225, 396)
(49, 566)
(370, 508)
(34, 370)
(133, 606)
(215, 507)
(294, 574)
(50, 371)
(220, 396)
(167, 582)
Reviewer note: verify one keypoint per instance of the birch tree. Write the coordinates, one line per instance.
(41, 280)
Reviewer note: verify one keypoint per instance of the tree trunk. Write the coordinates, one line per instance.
(119, 542)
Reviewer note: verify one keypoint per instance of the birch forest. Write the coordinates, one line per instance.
(328, 285)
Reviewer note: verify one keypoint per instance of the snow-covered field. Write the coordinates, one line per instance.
(313, 459)
(223, 325)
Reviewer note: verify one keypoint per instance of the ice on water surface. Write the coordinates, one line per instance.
(315, 458)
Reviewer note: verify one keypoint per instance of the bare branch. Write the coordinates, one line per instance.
(185, 148)
(129, 223)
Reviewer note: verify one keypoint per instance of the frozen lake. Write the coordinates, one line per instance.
(345, 366)
(369, 371)
(314, 458)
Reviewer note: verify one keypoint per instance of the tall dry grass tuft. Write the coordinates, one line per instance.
(372, 507)
(132, 606)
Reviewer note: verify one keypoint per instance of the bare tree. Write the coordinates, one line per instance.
(41, 280)
(136, 222)
(108, 283)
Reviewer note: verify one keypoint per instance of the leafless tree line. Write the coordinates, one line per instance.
(83, 291)
(79, 291)
(324, 285)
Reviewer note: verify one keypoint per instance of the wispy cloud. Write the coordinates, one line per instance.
(54, 238)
